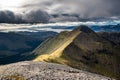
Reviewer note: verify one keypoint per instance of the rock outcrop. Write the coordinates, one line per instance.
(29, 70)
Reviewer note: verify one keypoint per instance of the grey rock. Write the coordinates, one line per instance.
(29, 70)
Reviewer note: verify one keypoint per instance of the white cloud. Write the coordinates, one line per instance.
(58, 27)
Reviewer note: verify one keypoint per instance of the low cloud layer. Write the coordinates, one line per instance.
(41, 11)
(58, 27)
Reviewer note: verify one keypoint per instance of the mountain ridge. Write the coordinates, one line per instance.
(61, 47)
(86, 51)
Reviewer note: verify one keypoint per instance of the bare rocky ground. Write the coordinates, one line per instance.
(29, 70)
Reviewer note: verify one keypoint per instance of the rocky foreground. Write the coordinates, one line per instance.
(29, 70)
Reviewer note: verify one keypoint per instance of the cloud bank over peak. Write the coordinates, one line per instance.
(85, 8)
(43, 11)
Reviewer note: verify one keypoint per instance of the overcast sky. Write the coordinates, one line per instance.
(41, 10)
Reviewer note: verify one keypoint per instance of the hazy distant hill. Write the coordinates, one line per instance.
(13, 45)
(106, 28)
(81, 48)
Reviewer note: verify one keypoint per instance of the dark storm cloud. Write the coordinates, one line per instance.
(7, 16)
(114, 7)
(36, 16)
(41, 11)
(85, 8)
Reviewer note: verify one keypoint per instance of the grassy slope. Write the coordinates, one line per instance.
(56, 47)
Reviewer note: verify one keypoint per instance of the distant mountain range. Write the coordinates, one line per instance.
(106, 26)
(83, 49)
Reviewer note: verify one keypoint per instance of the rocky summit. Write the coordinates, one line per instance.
(29, 70)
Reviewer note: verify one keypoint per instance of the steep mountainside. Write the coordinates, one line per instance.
(45, 71)
(111, 36)
(81, 48)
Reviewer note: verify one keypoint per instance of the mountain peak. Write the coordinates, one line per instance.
(81, 48)
(83, 28)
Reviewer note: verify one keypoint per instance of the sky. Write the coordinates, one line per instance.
(44, 11)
